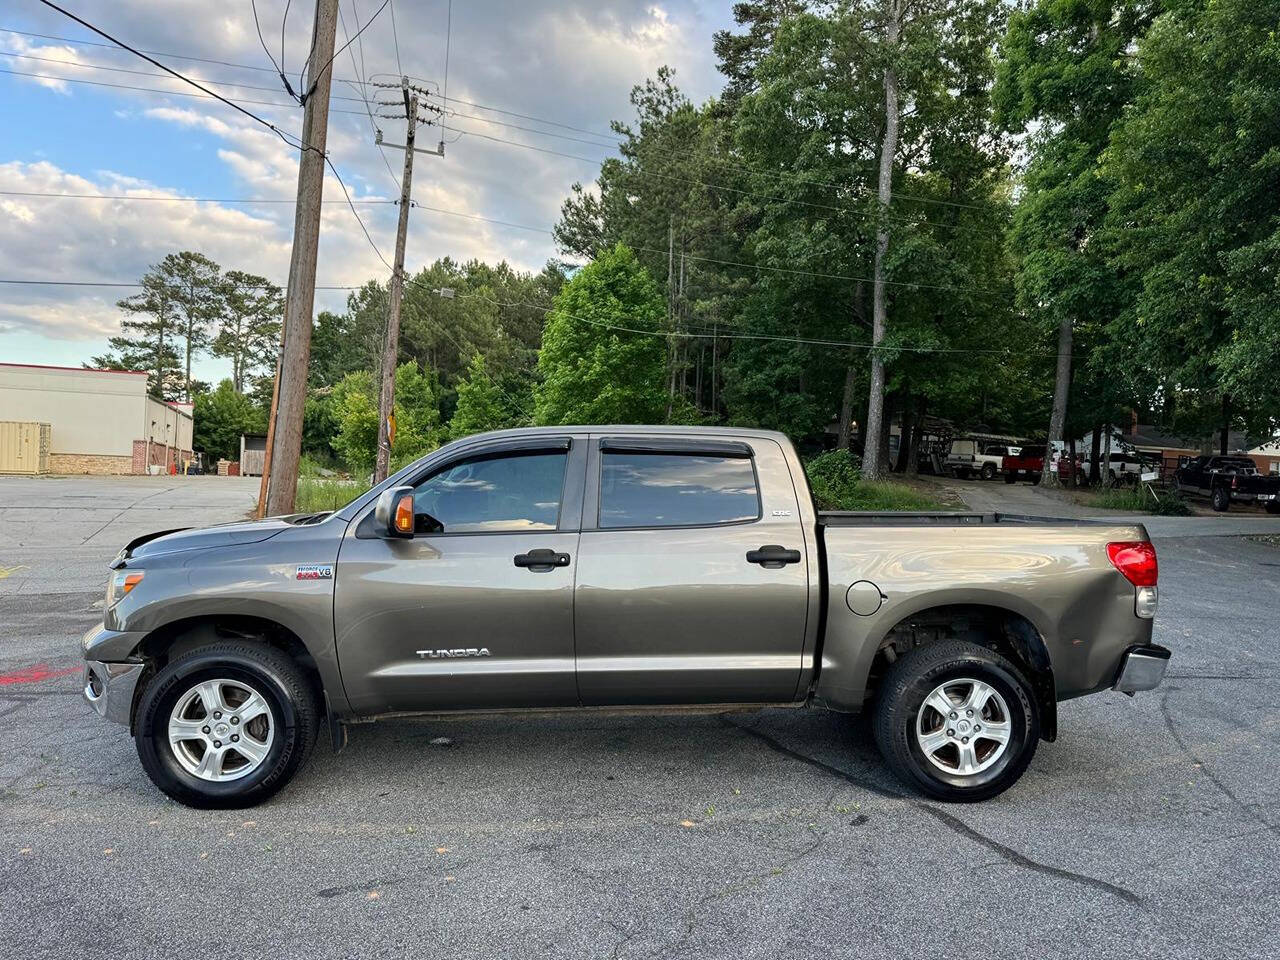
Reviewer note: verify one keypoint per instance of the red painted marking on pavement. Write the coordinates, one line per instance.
(37, 674)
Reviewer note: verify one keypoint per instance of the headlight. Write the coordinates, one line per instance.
(121, 582)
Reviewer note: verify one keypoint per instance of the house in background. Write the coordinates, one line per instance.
(1266, 456)
(101, 421)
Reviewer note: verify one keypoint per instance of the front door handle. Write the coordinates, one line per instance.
(541, 559)
(773, 556)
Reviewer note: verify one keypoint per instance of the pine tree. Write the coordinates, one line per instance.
(249, 335)
(148, 338)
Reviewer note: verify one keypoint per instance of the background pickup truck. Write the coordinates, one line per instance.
(1227, 479)
(1026, 464)
(615, 566)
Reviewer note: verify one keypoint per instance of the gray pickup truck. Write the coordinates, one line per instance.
(610, 567)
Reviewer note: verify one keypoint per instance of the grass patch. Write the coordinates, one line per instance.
(888, 496)
(836, 480)
(1138, 500)
(325, 493)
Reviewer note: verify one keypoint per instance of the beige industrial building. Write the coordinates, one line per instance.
(99, 421)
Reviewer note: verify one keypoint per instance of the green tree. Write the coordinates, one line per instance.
(1065, 75)
(1195, 214)
(250, 311)
(195, 283)
(221, 416)
(594, 372)
(480, 403)
(417, 412)
(149, 331)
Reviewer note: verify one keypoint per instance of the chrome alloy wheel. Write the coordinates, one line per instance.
(963, 726)
(221, 730)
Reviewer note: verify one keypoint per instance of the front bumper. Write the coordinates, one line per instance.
(1142, 668)
(109, 688)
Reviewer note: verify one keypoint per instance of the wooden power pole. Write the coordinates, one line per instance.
(391, 342)
(284, 428)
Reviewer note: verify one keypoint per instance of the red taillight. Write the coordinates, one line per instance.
(1235, 483)
(1136, 559)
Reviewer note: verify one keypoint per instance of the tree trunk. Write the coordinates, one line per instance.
(1105, 475)
(873, 465)
(913, 461)
(1095, 448)
(1224, 434)
(908, 409)
(844, 437)
(1061, 388)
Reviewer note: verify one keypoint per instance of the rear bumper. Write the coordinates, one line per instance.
(1142, 668)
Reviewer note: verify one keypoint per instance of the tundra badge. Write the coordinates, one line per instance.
(455, 652)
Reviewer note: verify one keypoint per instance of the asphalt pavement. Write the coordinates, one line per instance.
(1149, 829)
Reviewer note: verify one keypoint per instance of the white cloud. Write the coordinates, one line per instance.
(570, 60)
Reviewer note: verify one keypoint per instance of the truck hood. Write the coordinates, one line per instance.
(202, 538)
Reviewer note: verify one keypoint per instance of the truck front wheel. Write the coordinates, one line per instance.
(957, 721)
(226, 725)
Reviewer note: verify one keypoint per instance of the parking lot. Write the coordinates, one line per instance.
(1149, 829)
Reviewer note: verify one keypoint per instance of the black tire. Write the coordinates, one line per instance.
(902, 693)
(290, 698)
(1273, 507)
(1220, 499)
(1010, 478)
(988, 471)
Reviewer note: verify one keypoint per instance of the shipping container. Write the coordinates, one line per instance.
(24, 446)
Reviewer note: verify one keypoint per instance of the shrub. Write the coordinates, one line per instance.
(833, 477)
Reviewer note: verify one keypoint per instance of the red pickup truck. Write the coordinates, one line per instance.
(1028, 464)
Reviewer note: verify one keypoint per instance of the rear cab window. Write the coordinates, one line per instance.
(660, 488)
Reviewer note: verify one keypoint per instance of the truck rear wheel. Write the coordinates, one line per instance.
(1221, 499)
(226, 725)
(1010, 478)
(957, 721)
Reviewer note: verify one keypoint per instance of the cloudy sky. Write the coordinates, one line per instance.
(570, 64)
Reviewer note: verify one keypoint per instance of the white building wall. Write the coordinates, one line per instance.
(92, 412)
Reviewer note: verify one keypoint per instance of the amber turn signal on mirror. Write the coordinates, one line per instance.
(404, 514)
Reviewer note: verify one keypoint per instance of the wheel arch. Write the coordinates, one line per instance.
(177, 637)
(999, 628)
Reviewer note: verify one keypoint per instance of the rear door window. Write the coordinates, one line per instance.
(639, 489)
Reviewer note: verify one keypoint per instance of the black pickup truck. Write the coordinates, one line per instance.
(1227, 480)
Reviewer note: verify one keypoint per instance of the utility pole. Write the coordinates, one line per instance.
(391, 342)
(284, 428)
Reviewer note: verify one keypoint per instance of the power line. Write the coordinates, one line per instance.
(716, 186)
(150, 73)
(700, 335)
(781, 176)
(230, 101)
(395, 35)
(364, 98)
(339, 51)
(158, 53)
(217, 96)
(790, 271)
(279, 69)
(105, 196)
(301, 145)
(107, 283)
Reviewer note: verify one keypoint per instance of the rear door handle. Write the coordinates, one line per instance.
(541, 559)
(773, 556)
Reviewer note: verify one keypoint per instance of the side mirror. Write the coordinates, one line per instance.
(394, 512)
